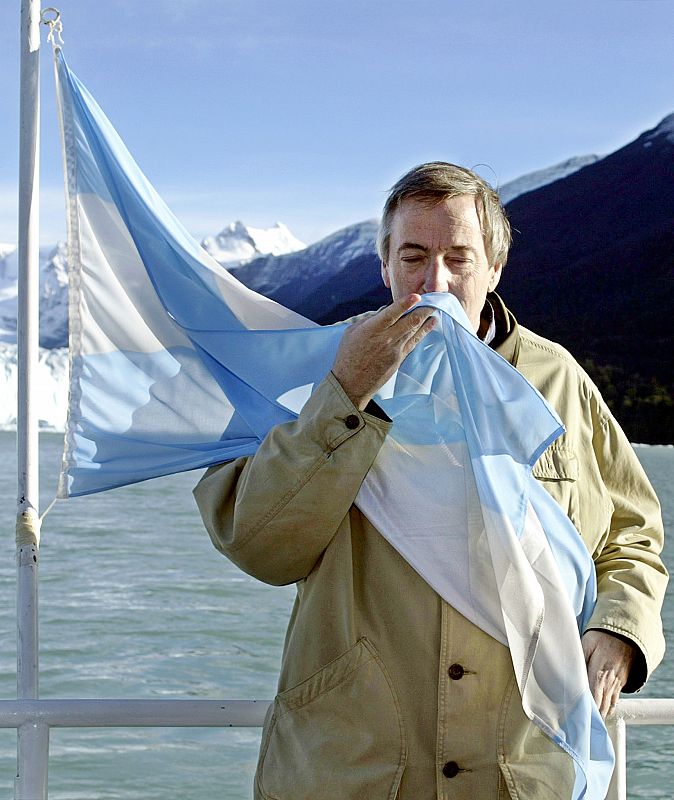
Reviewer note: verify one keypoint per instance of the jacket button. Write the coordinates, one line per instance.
(352, 421)
(456, 672)
(451, 769)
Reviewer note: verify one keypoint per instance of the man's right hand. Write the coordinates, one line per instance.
(372, 350)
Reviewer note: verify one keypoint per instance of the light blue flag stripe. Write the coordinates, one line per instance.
(175, 366)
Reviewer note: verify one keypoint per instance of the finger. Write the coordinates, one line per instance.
(417, 317)
(610, 690)
(391, 314)
(614, 697)
(607, 704)
(596, 678)
(420, 333)
(410, 325)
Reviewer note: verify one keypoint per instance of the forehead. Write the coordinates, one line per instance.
(453, 220)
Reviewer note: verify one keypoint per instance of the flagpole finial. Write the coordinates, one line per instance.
(54, 23)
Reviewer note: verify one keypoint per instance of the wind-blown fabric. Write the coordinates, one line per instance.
(452, 490)
(176, 365)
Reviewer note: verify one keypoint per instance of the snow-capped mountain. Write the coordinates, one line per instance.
(8, 292)
(542, 177)
(339, 275)
(251, 252)
(54, 298)
(52, 370)
(53, 294)
(290, 278)
(665, 128)
(237, 244)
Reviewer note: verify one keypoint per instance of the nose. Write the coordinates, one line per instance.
(437, 276)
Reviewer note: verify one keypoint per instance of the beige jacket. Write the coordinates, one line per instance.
(386, 691)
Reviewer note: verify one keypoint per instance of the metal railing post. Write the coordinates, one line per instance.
(617, 789)
(32, 740)
(31, 782)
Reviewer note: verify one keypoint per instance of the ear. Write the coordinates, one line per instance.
(495, 276)
(384, 275)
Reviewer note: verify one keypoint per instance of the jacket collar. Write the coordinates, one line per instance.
(506, 342)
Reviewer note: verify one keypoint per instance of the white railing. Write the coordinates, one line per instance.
(36, 717)
(633, 712)
(33, 720)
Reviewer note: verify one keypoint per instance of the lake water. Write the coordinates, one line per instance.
(135, 602)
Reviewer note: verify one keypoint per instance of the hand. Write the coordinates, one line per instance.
(608, 659)
(372, 350)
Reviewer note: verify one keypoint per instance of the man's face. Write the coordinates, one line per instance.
(439, 248)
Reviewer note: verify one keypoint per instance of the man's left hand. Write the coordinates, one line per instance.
(608, 659)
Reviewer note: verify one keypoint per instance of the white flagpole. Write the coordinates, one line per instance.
(32, 743)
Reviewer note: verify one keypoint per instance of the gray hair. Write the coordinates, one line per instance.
(436, 181)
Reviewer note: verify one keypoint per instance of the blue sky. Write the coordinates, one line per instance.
(306, 112)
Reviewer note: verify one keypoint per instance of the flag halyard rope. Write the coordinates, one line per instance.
(54, 23)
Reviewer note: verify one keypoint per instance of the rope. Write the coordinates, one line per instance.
(55, 25)
(47, 510)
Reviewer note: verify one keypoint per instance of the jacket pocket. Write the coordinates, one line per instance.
(532, 766)
(557, 470)
(338, 735)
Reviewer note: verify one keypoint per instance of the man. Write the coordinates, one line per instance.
(385, 690)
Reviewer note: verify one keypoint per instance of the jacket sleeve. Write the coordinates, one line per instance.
(275, 513)
(631, 577)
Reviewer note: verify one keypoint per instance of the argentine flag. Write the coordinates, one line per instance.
(175, 365)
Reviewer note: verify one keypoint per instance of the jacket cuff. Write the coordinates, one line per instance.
(649, 650)
(638, 672)
(332, 410)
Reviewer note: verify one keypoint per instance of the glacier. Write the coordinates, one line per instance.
(51, 394)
